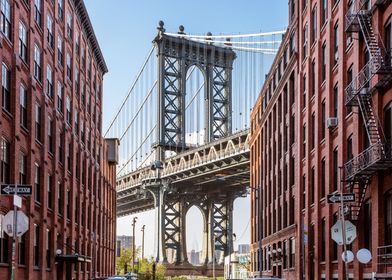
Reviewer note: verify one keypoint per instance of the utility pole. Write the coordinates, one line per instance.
(133, 243)
(143, 227)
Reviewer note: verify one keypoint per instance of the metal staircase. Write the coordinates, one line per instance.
(359, 170)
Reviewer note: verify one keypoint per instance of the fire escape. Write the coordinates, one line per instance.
(377, 156)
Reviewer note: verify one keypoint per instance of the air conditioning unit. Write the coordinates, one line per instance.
(332, 123)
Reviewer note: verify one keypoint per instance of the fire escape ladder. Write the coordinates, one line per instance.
(365, 23)
(369, 118)
(359, 189)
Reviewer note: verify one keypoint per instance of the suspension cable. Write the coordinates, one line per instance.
(131, 90)
(228, 36)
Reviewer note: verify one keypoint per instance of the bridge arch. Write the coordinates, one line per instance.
(196, 235)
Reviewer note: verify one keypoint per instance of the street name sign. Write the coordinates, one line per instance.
(336, 197)
(11, 189)
(22, 223)
(337, 232)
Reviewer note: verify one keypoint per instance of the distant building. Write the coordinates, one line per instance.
(125, 241)
(194, 257)
(243, 248)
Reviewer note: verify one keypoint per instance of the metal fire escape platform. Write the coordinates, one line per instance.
(374, 77)
(217, 167)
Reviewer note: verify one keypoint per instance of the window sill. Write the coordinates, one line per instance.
(38, 142)
(8, 114)
(24, 130)
(335, 66)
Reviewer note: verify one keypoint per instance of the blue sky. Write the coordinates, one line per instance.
(125, 29)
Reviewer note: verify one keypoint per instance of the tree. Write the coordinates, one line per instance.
(124, 262)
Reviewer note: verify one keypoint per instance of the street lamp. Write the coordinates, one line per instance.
(260, 220)
(133, 243)
(143, 227)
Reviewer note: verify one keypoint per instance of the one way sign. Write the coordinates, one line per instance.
(336, 197)
(16, 189)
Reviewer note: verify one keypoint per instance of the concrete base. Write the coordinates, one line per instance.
(189, 269)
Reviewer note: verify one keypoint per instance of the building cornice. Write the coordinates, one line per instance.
(81, 12)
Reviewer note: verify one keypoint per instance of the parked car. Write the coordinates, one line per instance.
(267, 278)
(116, 278)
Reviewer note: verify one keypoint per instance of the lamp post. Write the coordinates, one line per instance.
(143, 227)
(133, 243)
(260, 221)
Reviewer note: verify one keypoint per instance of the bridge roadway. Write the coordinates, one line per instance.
(222, 165)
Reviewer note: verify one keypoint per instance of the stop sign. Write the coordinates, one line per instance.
(22, 223)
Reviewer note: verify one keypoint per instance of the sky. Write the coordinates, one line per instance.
(125, 30)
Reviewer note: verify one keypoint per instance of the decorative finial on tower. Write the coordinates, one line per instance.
(161, 24)
(181, 29)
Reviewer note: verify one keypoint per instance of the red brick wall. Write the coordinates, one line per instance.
(268, 126)
(96, 192)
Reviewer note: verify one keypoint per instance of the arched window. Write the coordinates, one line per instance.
(388, 218)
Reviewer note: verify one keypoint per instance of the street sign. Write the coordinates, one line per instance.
(337, 232)
(18, 201)
(22, 223)
(16, 189)
(336, 197)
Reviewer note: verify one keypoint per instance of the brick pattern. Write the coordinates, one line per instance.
(288, 145)
(82, 217)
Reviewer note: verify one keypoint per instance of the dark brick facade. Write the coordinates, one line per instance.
(73, 206)
(295, 158)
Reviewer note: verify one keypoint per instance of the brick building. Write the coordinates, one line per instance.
(51, 138)
(318, 111)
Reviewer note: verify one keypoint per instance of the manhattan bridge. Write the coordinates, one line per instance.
(184, 136)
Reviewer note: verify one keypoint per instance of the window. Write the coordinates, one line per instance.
(49, 193)
(304, 141)
(88, 66)
(388, 40)
(60, 198)
(60, 9)
(304, 4)
(323, 241)
(38, 117)
(61, 148)
(37, 183)
(350, 148)
(323, 175)
(22, 42)
(69, 157)
(69, 66)
(313, 78)
(367, 220)
(323, 119)
(388, 218)
(336, 42)
(76, 126)
(36, 246)
(349, 80)
(6, 18)
(69, 26)
(22, 250)
(48, 246)
(49, 25)
(303, 202)
(49, 81)
(77, 88)
(313, 131)
(335, 100)
(334, 244)
(77, 44)
(305, 40)
(22, 169)
(60, 50)
(50, 135)
(37, 12)
(5, 161)
(292, 252)
(23, 106)
(324, 11)
(324, 61)
(59, 97)
(312, 186)
(314, 24)
(6, 100)
(335, 169)
(69, 112)
(388, 125)
(304, 84)
(37, 63)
